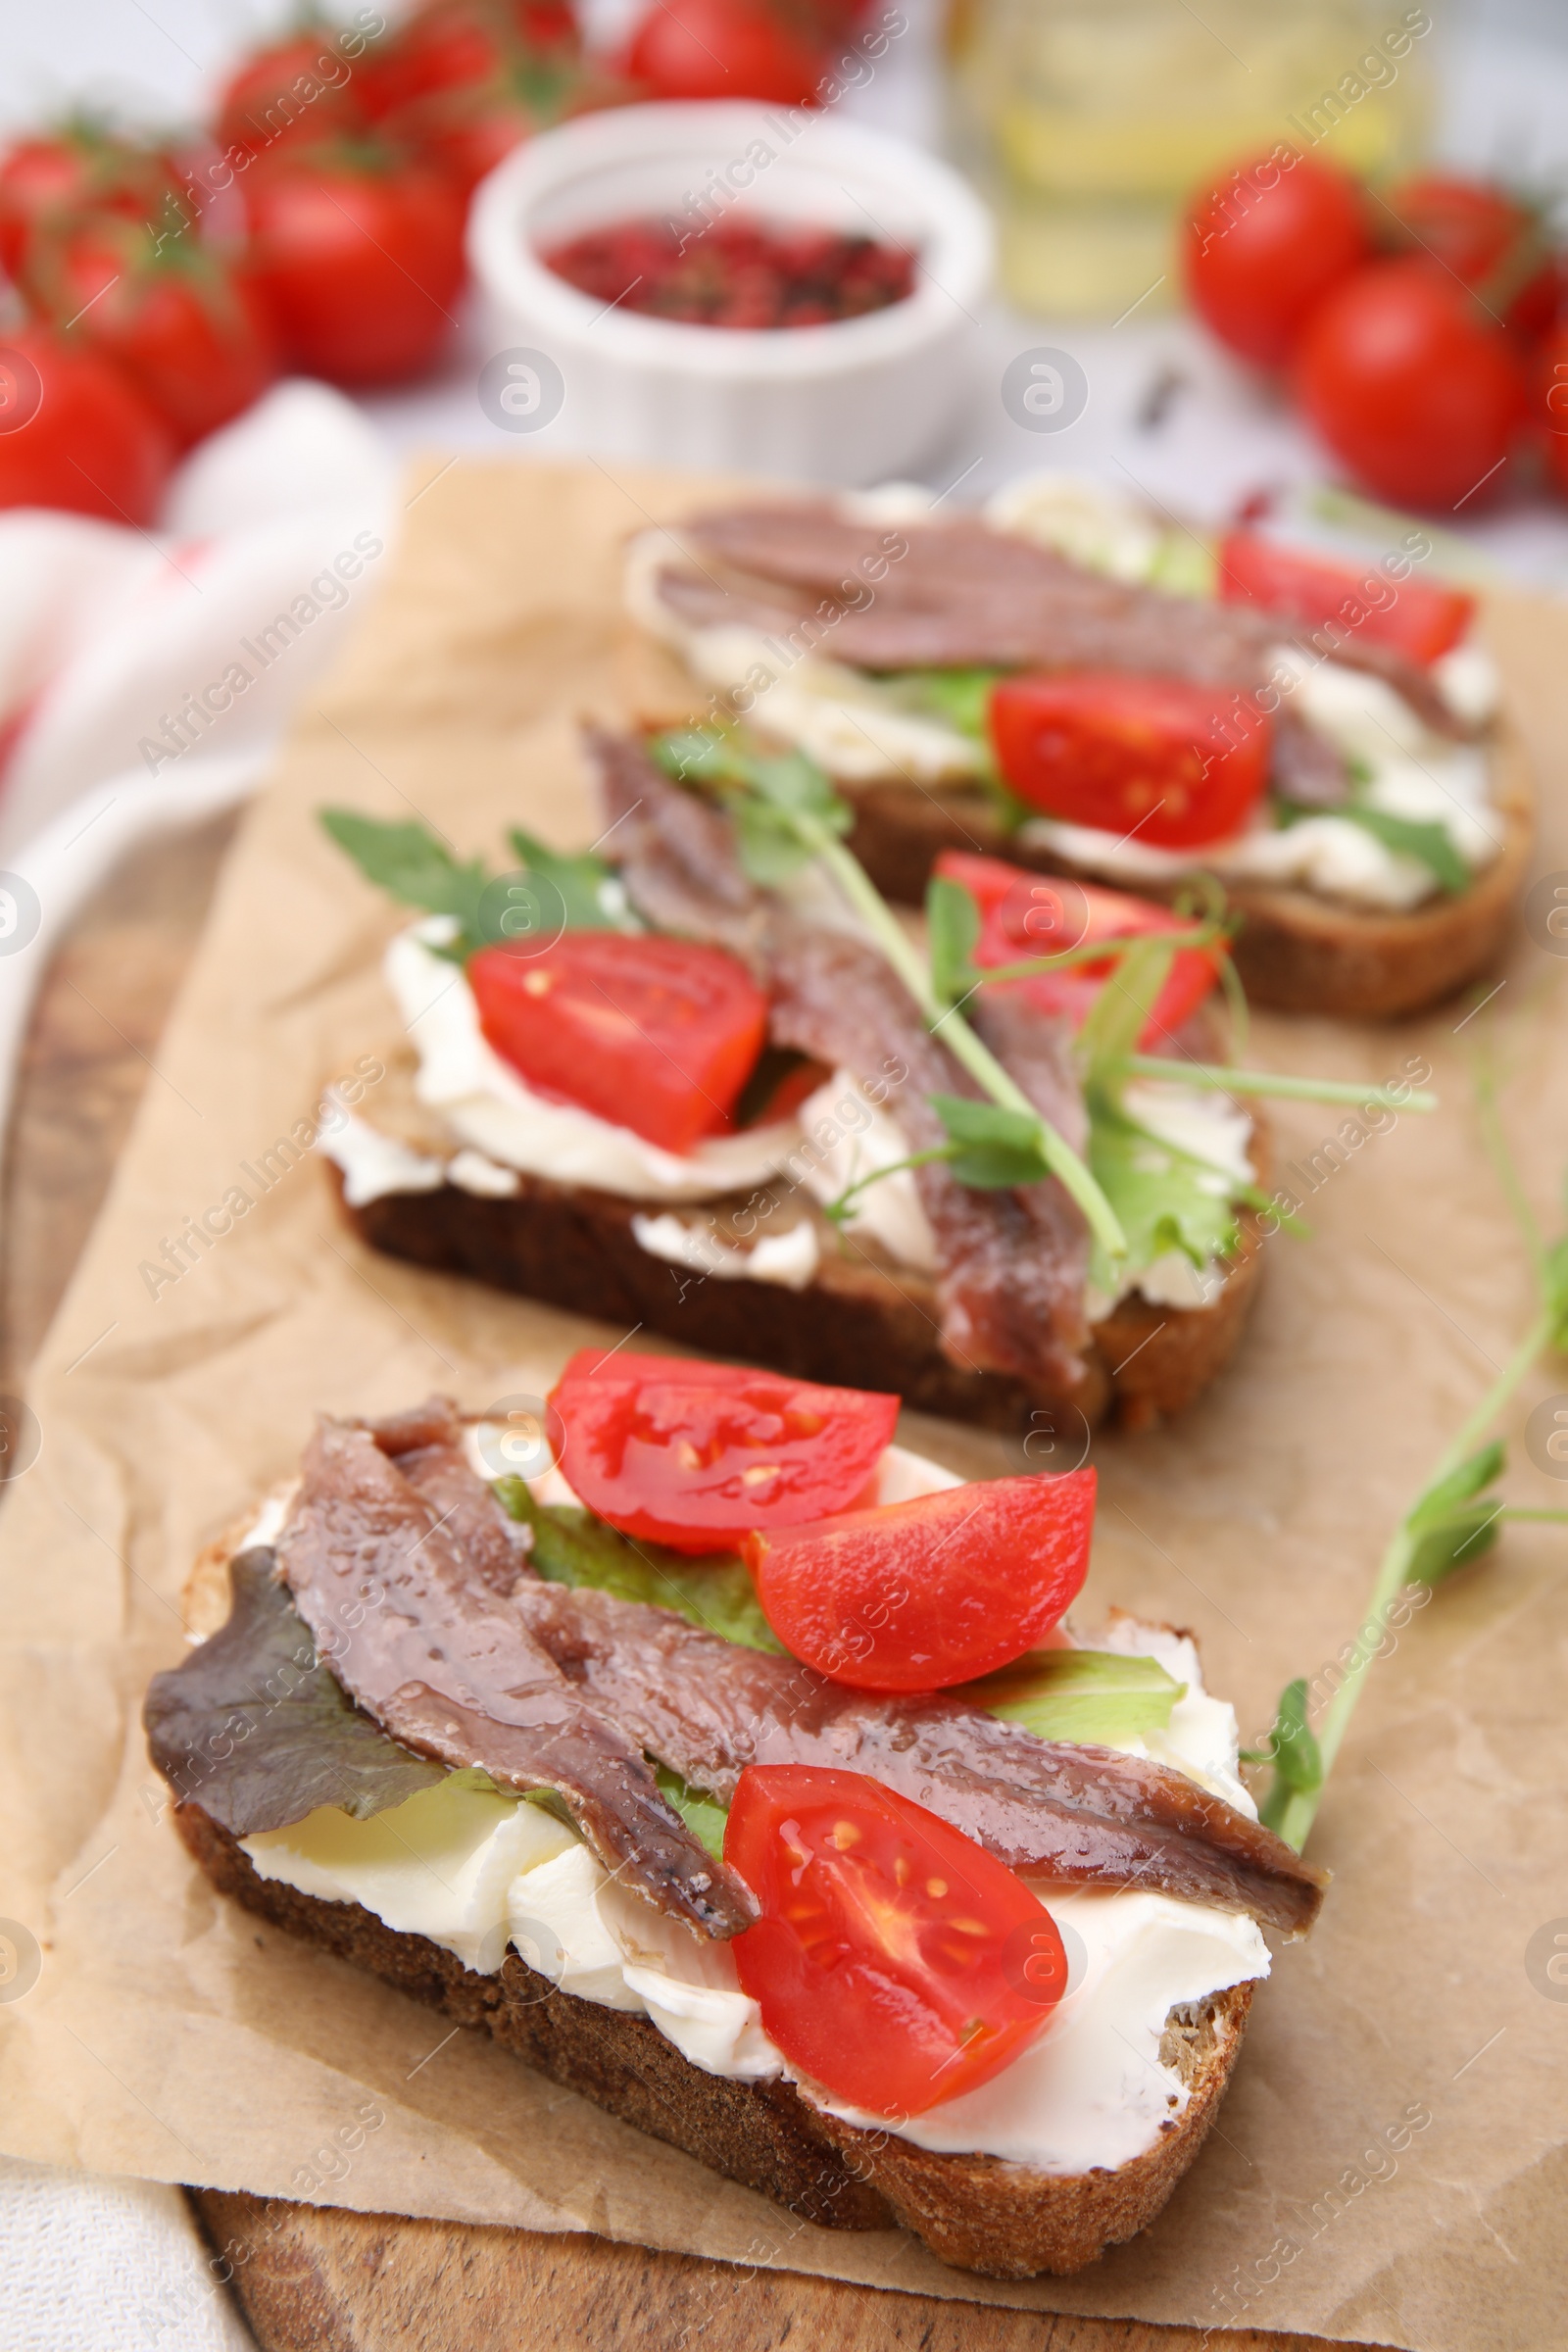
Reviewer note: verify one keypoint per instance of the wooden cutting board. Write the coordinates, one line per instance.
(315, 2278)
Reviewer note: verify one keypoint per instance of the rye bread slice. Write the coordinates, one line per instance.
(858, 1323)
(1296, 951)
(975, 2212)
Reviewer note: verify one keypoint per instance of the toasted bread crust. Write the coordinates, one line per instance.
(1296, 952)
(975, 2212)
(856, 1325)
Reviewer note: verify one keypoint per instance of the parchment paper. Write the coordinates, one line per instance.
(1390, 2164)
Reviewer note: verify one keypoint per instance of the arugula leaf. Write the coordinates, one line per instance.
(1423, 839)
(589, 892)
(1093, 1696)
(1165, 1199)
(952, 933)
(409, 863)
(571, 1547)
(703, 1815)
(1430, 841)
(999, 1147)
(771, 791)
(259, 1731)
(1293, 1750)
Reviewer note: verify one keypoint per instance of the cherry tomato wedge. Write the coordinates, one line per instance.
(896, 1962)
(923, 1595)
(1024, 914)
(696, 1456)
(1414, 616)
(1176, 765)
(658, 1035)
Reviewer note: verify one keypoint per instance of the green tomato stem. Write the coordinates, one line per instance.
(1268, 1082)
(954, 1031)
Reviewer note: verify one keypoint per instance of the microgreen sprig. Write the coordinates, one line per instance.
(1451, 1522)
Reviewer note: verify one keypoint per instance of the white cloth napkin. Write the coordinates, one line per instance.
(274, 535)
(146, 677)
(94, 2265)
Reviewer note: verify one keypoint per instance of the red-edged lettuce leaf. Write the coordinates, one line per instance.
(259, 1731)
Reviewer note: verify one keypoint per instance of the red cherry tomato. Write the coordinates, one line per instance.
(658, 1035)
(896, 1962)
(724, 49)
(1479, 231)
(1416, 616)
(695, 1455)
(75, 433)
(1176, 765)
(1263, 248)
(923, 1595)
(192, 335)
(298, 92)
(1411, 386)
(80, 171)
(1025, 914)
(359, 257)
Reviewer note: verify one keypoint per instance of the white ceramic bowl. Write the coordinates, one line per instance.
(857, 401)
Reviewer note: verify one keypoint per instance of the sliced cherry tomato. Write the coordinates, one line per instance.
(896, 1962)
(1024, 914)
(724, 49)
(923, 1595)
(75, 433)
(80, 171)
(1263, 247)
(359, 250)
(1412, 386)
(295, 93)
(695, 1455)
(1176, 765)
(1416, 617)
(658, 1035)
(191, 334)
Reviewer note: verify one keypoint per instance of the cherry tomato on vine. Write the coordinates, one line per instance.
(896, 1962)
(191, 334)
(295, 93)
(695, 1455)
(75, 433)
(1177, 765)
(357, 250)
(1412, 386)
(724, 49)
(1263, 248)
(1483, 232)
(80, 171)
(920, 1596)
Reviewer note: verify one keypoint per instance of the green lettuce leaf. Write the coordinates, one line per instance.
(571, 1547)
(1425, 839)
(703, 1815)
(1093, 1696)
(1165, 1199)
(258, 1732)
